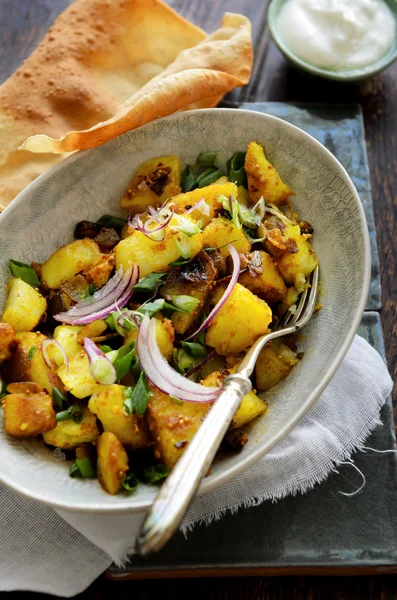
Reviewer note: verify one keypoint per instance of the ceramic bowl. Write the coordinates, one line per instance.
(90, 183)
(342, 75)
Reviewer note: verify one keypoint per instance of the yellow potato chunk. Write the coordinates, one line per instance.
(24, 306)
(107, 405)
(68, 434)
(251, 406)
(263, 179)
(8, 342)
(66, 336)
(221, 232)
(274, 364)
(165, 337)
(155, 181)
(268, 285)
(101, 272)
(242, 319)
(297, 264)
(290, 299)
(172, 425)
(78, 379)
(27, 364)
(153, 256)
(210, 194)
(112, 462)
(69, 260)
(28, 410)
(92, 330)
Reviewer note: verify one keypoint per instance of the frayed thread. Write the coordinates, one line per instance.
(351, 464)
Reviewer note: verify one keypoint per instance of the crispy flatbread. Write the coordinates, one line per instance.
(108, 66)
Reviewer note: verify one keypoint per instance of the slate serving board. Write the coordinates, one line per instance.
(321, 531)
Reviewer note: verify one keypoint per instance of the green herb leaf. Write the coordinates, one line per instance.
(64, 415)
(24, 272)
(126, 326)
(123, 360)
(136, 367)
(90, 290)
(209, 176)
(153, 308)
(206, 159)
(59, 399)
(128, 405)
(141, 394)
(74, 471)
(32, 352)
(235, 169)
(155, 473)
(73, 413)
(3, 389)
(150, 283)
(186, 303)
(195, 349)
(188, 179)
(183, 360)
(111, 221)
(180, 262)
(130, 482)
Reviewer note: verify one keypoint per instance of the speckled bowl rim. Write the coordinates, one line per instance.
(214, 482)
(345, 75)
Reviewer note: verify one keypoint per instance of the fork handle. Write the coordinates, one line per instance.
(177, 491)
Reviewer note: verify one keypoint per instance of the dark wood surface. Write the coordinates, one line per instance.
(24, 22)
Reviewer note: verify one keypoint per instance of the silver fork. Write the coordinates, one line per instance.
(178, 490)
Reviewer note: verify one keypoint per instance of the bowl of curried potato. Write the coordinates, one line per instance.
(135, 276)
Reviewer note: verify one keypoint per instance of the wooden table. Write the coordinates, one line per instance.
(24, 22)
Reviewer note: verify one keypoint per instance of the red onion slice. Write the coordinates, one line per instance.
(101, 368)
(137, 224)
(233, 280)
(44, 350)
(120, 302)
(164, 377)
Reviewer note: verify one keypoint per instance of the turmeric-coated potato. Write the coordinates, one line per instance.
(107, 405)
(24, 306)
(8, 342)
(269, 284)
(165, 337)
(153, 256)
(68, 434)
(112, 462)
(77, 379)
(28, 364)
(65, 263)
(100, 273)
(93, 330)
(221, 232)
(28, 410)
(240, 321)
(172, 425)
(66, 336)
(274, 364)
(155, 180)
(263, 179)
(210, 194)
(295, 266)
(251, 406)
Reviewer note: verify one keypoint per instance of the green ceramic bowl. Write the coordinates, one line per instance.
(340, 75)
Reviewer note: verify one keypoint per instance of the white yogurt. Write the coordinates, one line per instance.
(337, 34)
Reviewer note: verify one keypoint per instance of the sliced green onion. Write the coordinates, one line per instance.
(155, 473)
(3, 389)
(105, 348)
(130, 482)
(150, 283)
(90, 290)
(32, 352)
(59, 399)
(63, 416)
(153, 308)
(183, 361)
(195, 349)
(101, 367)
(186, 303)
(235, 169)
(185, 226)
(231, 206)
(188, 179)
(247, 216)
(209, 178)
(180, 262)
(137, 398)
(74, 413)
(82, 467)
(111, 221)
(206, 159)
(183, 247)
(25, 272)
(123, 360)
(136, 367)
